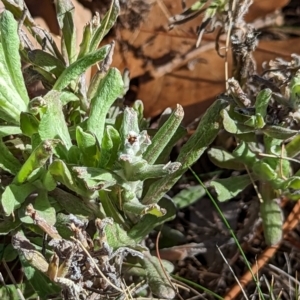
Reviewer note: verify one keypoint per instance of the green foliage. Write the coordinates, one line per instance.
(13, 94)
(189, 195)
(74, 156)
(230, 187)
(260, 151)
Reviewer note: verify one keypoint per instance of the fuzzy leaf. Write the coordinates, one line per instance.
(111, 209)
(293, 147)
(46, 61)
(89, 151)
(43, 207)
(29, 124)
(271, 215)
(95, 178)
(74, 155)
(8, 162)
(232, 126)
(262, 102)
(86, 40)
(164, 135)
(141, 170)
(65, 18)
(110, 145)
(72, 204)
(61, 173)
(206, 132)
(110, 88)
(130, 126)
(224, 159)
(135, 207)
(8, 225)
(256, 121)
(157, 278)
(66, 97)
(14, 195)
(189, 196)
(149, 222)
(118, 237)
(279, 132)
(11, 104)
(264, 171)
(53, 124)
(292, 183)
(48, 181)
(228, 188)
(9, 130)
(244, 154)
(77, 68)
(10, 44)
(37, 159)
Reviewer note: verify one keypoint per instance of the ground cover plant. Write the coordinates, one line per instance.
(84, 178)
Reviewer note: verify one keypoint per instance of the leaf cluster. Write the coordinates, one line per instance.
(266, 131)
(74, 155)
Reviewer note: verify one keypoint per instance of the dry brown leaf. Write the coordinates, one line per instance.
(152, 46)
(153, 51)
(260, 8)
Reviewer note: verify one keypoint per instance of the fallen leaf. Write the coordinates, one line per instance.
(165, 67)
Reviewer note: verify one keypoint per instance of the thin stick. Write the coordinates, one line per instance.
(179, 61)
(227, 44)
(126, 290)
(231, 270)
(254, 185)
(186, 287)
(280, 157)
(161, 265)
(165, 11)
(281, 273)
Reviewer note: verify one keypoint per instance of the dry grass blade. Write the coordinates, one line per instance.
(282, 273)
(290, 223)
(231, 270)
(162, 266)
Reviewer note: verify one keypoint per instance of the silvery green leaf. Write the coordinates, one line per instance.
(37, 159)
(110, 88)
(262, 102)
(65, 18)
(14, 195)
(10, 46)
(74, 70)
(53, 124)
(228, 188)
